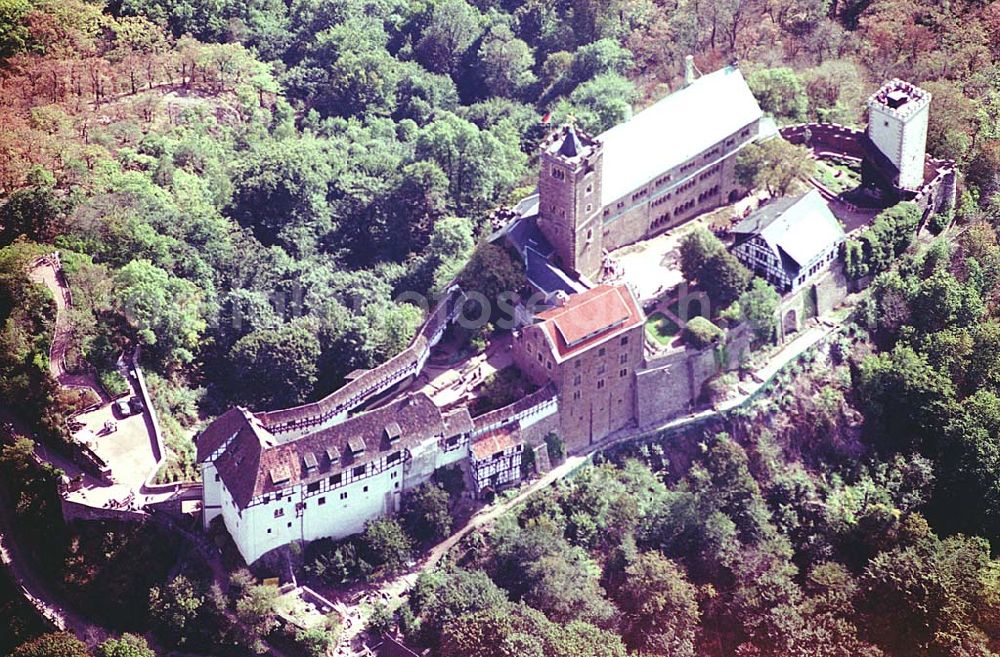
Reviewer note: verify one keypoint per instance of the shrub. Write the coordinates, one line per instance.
(319, 641)
(114, 383)
(425, 513)
(886, 239)
(556, 448)
(386, 545)
(700, 333)
(939, 221)
(527, 462)
(759, 305)
(500, 389)
(717, 388)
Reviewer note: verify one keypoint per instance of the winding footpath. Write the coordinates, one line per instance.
(48, 271)
(49, 605)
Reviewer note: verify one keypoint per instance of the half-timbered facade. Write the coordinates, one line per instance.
(495, 459)
(790, 240)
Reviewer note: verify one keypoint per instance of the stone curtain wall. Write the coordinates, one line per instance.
(826, 138)
(672, 383)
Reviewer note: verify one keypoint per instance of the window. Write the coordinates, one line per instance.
(396, 485)
(601, 369)
(278, 513)
(576, 380)
(289, 524)
(622, 359)
(393, 475)
(577, 365)
(539, 356)
(267, 498)
(366, 489)
(622, 372)
(268, 530)
(335, 479)
(590, 188)
(624, 340)
(216, 476)
(602, 351)
(600, 384)
(590, 208)
(300, 506)
(359, 471)
(313, 487)
(321, 501)
(548, 365)
(343, 495)
(576, 395)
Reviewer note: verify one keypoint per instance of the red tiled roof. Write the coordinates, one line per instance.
(222, 429)
(495, 441)
(589, 318)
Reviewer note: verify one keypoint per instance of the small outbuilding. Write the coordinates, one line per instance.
(789, 240)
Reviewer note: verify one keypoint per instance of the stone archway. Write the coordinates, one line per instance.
(789, 322)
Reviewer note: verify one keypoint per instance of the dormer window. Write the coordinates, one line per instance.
(309, 460)
(393, 432)
(333, 454)
(357, 446)
(279, 475)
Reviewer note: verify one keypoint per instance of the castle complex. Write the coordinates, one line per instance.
(669, 163)
(325, 469)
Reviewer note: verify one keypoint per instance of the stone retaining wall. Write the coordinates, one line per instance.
(673, 381)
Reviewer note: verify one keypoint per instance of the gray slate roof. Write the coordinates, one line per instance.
(798, 228)
(527, 239)
(675, 129)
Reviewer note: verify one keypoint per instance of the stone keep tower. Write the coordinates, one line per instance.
(897, 126)
(569, 197)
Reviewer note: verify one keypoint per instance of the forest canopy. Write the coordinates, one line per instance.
(282, 171)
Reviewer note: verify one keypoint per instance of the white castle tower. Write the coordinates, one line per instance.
(897, 126)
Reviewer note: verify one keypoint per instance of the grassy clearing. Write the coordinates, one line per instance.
(838, 176)
(661, 328)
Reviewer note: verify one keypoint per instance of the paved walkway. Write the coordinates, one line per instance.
(394, 590)
(129, 450)
(35, 590)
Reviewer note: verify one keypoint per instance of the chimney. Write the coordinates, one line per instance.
(688, 70)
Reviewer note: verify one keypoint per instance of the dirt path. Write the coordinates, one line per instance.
(48, 272)
(392, 592)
